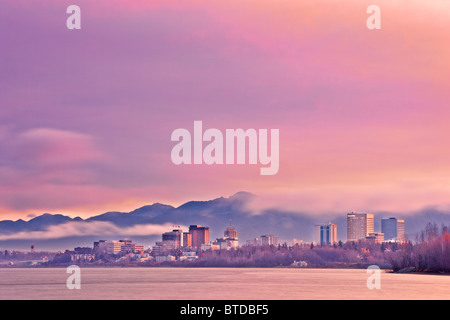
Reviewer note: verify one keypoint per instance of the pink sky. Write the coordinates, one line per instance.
(86, 116)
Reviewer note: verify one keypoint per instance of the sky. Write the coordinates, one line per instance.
(86, 115)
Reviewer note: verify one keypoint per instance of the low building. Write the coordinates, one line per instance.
(299, 264)
(188, 256)
(209, 246)
(113, 247)
(82, 255)
(269, 240)
(375, 237)
(131, 247)
(253, 242)
(226, 243)
(160, 259)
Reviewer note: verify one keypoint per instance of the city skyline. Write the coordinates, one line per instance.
(177, 239)
(197, 236)
(148, 222)
(178, 246)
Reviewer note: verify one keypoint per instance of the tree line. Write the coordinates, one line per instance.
(429, 253)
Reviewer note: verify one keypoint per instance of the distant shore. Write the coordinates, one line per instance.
(193, 266)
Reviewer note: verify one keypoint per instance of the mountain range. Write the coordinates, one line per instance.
(146, 224)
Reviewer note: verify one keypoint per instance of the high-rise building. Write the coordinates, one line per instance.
(393, 229)
(187, 239)
(359, 226)
(230, 239)
(269, 240)
(230, 233)
(200, 235)
(326, 234)
(173, 239)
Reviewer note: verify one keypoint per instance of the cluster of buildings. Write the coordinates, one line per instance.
(179, 245)
(269, 239)
(174, 245)
(120, 248)
(197, 238)
(360, 226)
(178, 240)
(113, 247)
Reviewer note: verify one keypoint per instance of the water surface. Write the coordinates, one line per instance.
(218, 284)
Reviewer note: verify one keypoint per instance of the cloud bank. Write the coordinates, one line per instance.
(96, 228)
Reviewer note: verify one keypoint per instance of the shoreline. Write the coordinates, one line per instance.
(385, 270)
